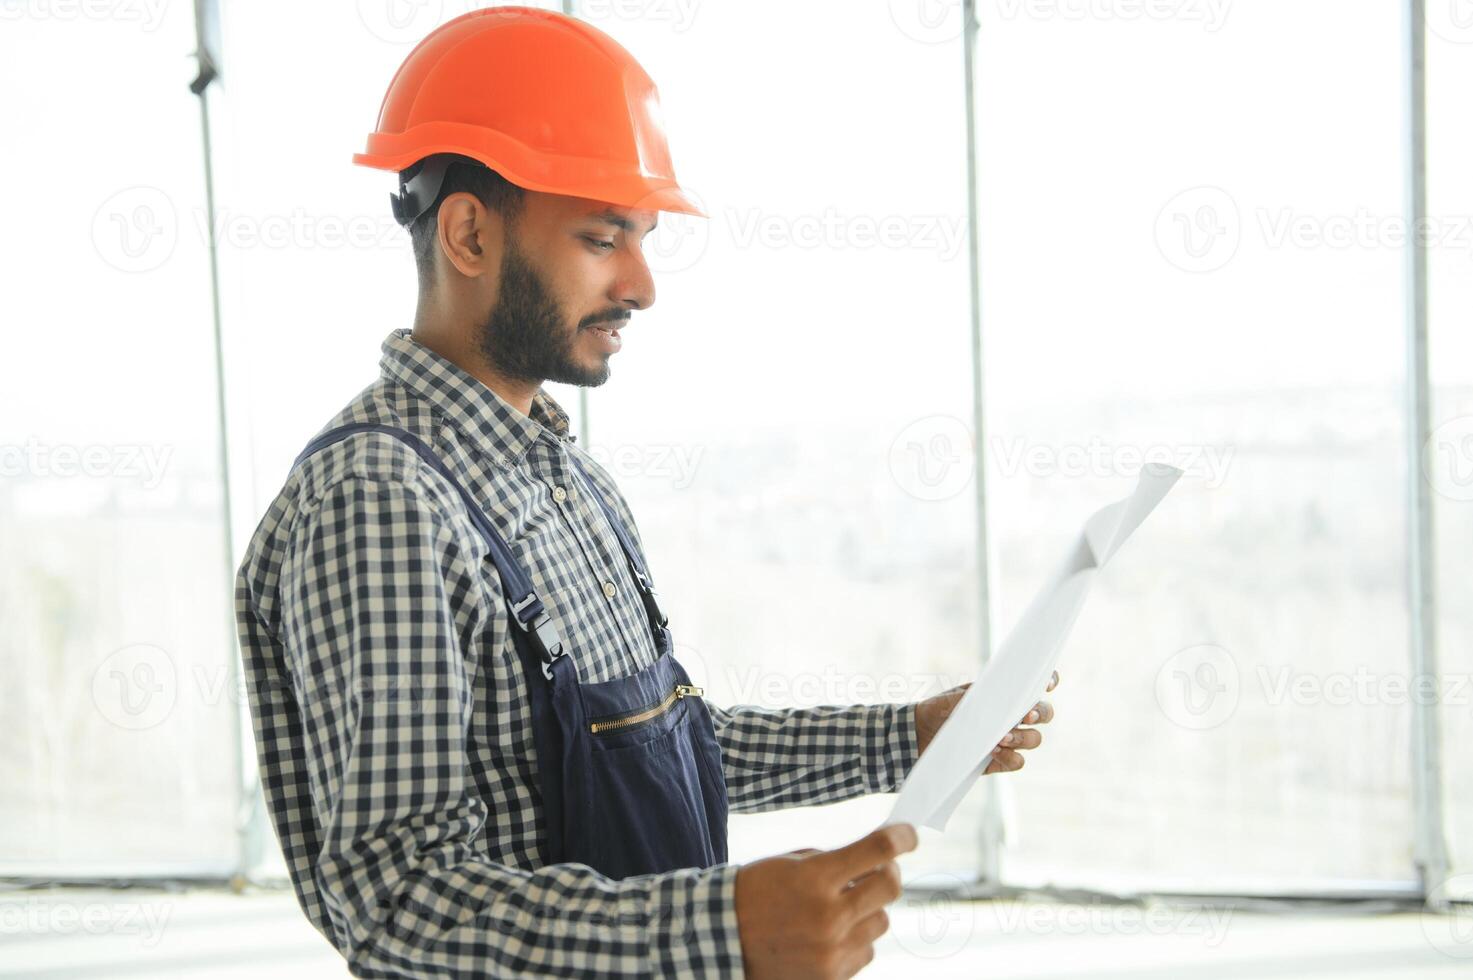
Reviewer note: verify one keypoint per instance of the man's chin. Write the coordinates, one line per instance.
(583, 377)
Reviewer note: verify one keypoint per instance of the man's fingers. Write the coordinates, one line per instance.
(1040, 714)
(1023, 738)
(874, 891)
(1053, 682)
(871, 927)
(846, 863)
(862, 957)
(1004, 760)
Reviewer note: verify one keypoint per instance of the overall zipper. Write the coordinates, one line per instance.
(623, 721)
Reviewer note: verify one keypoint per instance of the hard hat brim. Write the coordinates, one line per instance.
(599, 180)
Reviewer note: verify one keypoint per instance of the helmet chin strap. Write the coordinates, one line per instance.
(417, 194)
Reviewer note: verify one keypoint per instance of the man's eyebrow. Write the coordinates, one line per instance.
(619, 221)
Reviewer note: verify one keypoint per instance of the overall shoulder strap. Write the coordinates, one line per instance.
(516, 584)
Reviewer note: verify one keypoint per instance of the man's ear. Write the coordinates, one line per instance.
(469, 235)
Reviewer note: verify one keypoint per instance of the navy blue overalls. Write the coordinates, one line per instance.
(630, 770)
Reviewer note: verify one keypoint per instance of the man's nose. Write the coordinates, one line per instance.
(635, 287)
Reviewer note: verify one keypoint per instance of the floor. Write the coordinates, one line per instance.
(218, 934)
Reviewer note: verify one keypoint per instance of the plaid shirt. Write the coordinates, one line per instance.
(391, 716)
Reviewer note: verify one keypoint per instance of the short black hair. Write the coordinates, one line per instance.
(494, 191)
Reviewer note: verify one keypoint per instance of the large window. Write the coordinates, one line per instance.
(1195, 257)
(1192, 248)
(114, 585)
(1447, 457)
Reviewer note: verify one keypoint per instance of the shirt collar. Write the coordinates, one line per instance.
(487, 418)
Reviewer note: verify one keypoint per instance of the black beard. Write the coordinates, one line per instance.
(525, 337)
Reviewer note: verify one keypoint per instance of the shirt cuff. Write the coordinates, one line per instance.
(895, 747)
(702, 939)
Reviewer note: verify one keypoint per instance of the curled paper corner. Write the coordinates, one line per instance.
(1017, 674)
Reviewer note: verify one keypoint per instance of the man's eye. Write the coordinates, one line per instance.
(600, 243)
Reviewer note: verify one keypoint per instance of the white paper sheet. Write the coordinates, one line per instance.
(1017, 675)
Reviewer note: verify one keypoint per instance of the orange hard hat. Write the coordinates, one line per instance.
(551, 103)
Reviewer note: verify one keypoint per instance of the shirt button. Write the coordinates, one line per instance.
(609, 589)
(559, 494)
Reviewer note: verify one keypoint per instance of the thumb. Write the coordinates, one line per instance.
(875, 848)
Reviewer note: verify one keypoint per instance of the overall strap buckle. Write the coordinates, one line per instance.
(541, 630)
(651, 601)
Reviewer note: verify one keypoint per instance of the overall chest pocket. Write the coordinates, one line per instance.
(650, 800)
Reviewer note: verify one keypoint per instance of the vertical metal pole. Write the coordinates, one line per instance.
(989, 871)
(583, 418)
(570, 8)
(249, 829)
(1430, 842)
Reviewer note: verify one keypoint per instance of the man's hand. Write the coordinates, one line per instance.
(816, 914)
(1007, 756)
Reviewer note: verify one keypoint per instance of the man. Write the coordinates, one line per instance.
(480, 754)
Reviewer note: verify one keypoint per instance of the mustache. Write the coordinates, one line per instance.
(610, 318)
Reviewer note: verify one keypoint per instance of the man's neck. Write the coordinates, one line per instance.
(454, 348)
